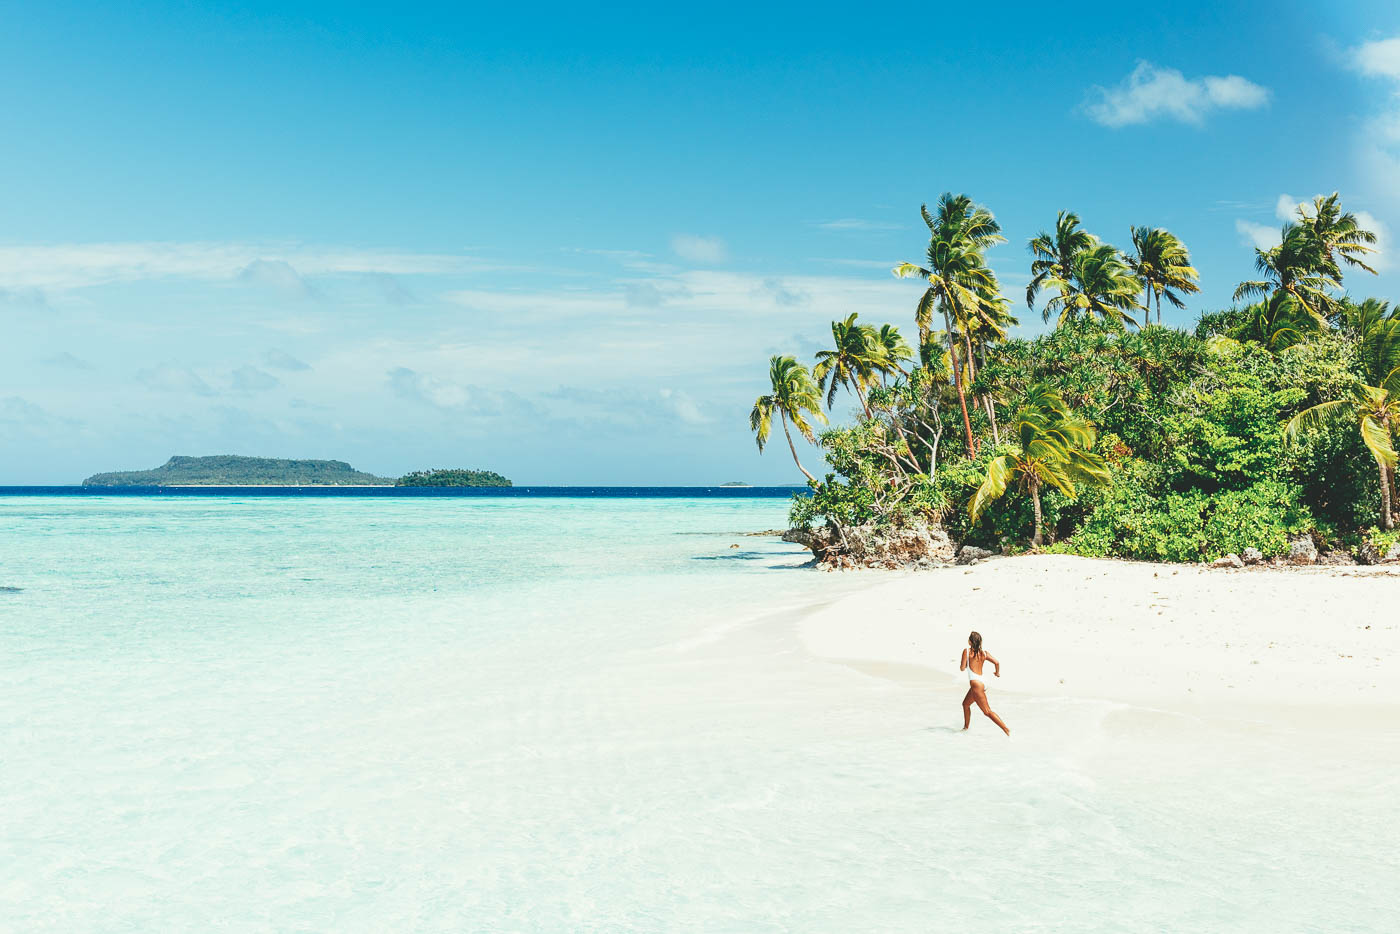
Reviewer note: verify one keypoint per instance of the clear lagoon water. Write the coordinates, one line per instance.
(590, 713)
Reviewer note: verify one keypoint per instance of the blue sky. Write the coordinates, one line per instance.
(562, 243)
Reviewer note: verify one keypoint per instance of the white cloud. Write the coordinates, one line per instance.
(1286, 208)
(1150, 92)
(1379, 260)
(80, 265)
(1380, 58)
(1257, 235)
(699, 249)
(1379, 141)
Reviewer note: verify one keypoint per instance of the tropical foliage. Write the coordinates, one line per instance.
(1053, 448)
(1113, 434)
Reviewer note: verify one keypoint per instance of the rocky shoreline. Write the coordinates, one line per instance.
(848, 547)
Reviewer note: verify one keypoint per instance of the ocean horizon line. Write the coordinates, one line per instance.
(367, 490)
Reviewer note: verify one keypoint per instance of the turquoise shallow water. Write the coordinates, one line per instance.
(446, 715)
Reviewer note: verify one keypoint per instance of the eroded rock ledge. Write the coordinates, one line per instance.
(870, 546)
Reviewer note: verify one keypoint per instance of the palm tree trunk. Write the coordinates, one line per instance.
(957, 380)
(1159, 306)
(992, 416)
(1387, 521)
(861, 396)
(793, 448)
(1035, 501)
(971, 366)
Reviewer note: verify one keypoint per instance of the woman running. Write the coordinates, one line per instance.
(974, 662)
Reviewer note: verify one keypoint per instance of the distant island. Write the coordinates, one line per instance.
(232, 470)
(735, 483)
(455, 476)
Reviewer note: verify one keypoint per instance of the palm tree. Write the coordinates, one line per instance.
(1277, 322)
(1358, 320)
(1374, 327)
(852, 363)
(1339, 235)
(793, 394)
(1100, 283)
(957, 276)
(1163, 264)
(1054, 253)
(1375, 410)
(1054, 449)
(895, 350)
(1297, 266)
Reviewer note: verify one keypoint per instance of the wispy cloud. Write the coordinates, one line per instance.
(449, 394)
(628, 407)
(80, 265)
(391, 289)
(1150, 93)
(281, 360)
(252, 379)
(695, 249)
(702, 296)
(279, 276)
(884, 264)
(66, 361)
(176, 379)
(857, 223)
(19, 416)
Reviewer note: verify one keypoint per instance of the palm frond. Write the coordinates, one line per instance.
(993, 486)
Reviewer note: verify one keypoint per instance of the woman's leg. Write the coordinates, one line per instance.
(967, 708)
(982, 705)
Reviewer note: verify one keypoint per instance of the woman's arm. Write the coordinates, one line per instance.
(962, 660)
(993, 659)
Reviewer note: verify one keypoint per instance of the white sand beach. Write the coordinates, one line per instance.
(1165, 636)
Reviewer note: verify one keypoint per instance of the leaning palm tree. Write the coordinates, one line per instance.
(957, 277)
(1297, 266)
(793, 395)
(1054, 448)
(1054, 253)
(1340, 235)
(1100, 283)
(852, 363)
(1163, 265)
(1375, 411)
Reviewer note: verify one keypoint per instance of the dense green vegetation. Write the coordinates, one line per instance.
(454, 476)
(1112, 435)
(232, 470)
